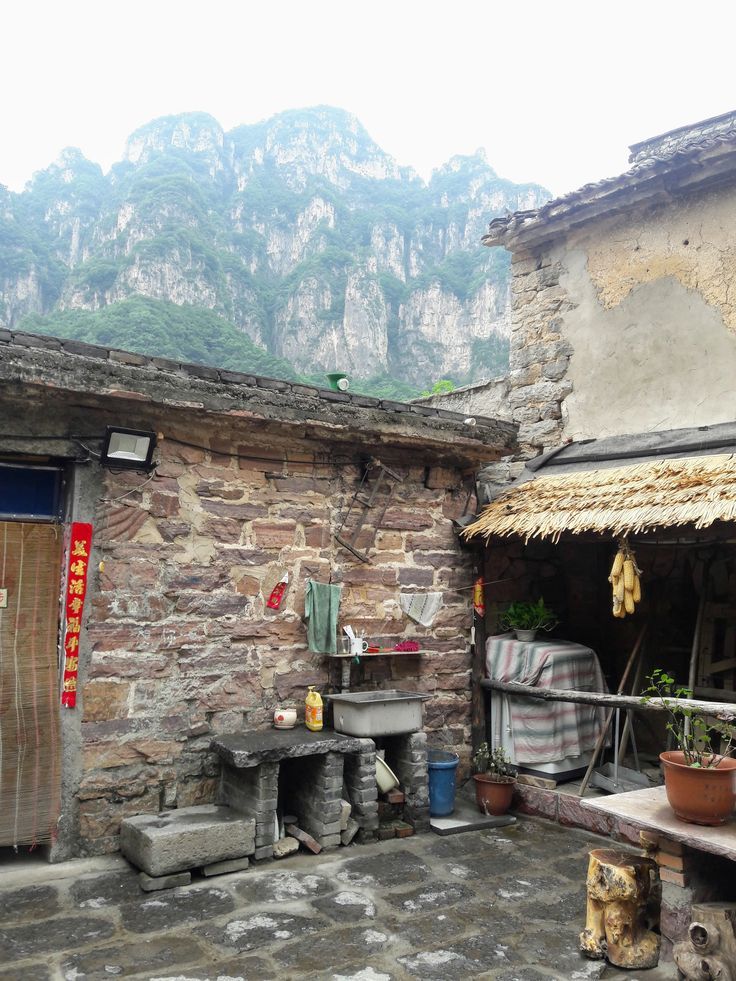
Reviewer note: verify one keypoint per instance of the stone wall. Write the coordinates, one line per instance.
(488, 398)
(179, 644)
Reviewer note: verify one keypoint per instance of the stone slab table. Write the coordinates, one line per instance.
(648, 810)
(253, 761)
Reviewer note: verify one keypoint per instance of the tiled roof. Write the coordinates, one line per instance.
(688, 156)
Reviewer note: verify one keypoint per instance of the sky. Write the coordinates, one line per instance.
(554, 91)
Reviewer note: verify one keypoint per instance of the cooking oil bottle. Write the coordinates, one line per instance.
(313, 713)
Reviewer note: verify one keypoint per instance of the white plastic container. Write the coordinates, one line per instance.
(377, 713)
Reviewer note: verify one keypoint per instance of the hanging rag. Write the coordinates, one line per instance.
(421, 607)
(321, 606)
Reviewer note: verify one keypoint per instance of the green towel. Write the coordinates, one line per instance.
(321, 606)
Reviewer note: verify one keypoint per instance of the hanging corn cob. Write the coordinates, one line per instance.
(625, 580)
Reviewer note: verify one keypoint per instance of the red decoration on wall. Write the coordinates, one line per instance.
(479, 599)
(80, 549)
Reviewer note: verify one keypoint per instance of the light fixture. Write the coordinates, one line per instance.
(128, 449)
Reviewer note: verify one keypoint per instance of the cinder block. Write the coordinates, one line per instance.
(330, 841)
(345, 812)
(186, 838)
(263, 851)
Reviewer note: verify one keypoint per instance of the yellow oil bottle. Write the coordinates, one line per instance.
(313, 713)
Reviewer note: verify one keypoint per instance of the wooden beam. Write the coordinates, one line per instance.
(721, 710)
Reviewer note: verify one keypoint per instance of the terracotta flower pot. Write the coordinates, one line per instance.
(493, 793)
(699, 795)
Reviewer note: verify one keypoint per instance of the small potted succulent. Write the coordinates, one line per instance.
(495, 777)
(698, 778)
(525, 619)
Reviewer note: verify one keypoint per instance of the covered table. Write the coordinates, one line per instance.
(552, 737)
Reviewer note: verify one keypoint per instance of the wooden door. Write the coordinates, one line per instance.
(30, 751)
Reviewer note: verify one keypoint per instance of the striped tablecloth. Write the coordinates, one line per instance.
(544, 732)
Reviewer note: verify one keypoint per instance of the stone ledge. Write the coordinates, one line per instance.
(648, 809)
(248, 749)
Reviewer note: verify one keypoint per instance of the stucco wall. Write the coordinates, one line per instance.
(629, 325)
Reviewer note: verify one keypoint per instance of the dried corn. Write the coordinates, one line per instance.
(618, 564)
(625, 581)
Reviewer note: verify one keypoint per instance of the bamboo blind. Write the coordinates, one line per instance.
(30, 569)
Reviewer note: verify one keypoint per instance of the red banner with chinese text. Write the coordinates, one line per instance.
(80, 548)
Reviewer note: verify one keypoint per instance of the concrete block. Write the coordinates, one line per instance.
(345, 812)
(152, 883)
(186, 838)
(222, 868)
(263, 851)
(330, 841)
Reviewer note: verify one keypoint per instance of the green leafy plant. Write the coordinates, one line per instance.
(529, 616)
(692, 734)
(495, 763)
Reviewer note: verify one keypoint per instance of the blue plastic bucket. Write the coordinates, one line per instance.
(442, 768)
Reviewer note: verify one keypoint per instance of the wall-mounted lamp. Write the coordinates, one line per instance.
(128, 449)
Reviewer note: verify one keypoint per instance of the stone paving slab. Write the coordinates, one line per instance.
(505, 904)
(123, 960)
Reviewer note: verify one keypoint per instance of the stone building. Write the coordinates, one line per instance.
(623, 353)
(251, 479)
(623, 319)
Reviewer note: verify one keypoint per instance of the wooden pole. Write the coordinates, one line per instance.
(607, 724)
(725, 711)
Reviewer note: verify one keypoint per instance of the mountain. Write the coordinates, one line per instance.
(295, 245)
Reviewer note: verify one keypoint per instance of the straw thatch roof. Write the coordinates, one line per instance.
(696, 490)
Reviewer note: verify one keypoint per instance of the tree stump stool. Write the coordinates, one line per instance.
(710, 950)
(619, 906)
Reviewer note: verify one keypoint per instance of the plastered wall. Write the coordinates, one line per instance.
(629, 325)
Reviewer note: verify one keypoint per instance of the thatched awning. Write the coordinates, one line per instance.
(620, 500)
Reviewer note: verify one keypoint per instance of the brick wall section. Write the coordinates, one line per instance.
(313, 790)
(539, 354)
(179, 645)
(410, 762)
(360, 784)
(253, 792)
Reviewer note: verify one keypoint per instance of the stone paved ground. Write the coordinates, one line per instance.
(506, 905)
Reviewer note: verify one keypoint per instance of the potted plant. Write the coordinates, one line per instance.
(698, 778)
(494, 777)
(527, 618)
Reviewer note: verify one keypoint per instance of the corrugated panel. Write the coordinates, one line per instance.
(30, 751)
